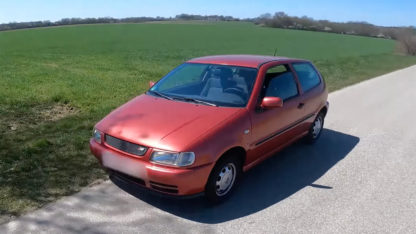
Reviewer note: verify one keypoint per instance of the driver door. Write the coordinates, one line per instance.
(273, 128)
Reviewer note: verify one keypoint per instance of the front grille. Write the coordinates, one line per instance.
(125, 146)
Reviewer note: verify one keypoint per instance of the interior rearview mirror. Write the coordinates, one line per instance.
(271, 102)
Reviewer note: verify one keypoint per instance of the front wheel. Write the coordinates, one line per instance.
(223, 179)
(316, 129)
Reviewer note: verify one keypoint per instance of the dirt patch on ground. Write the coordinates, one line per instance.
(57, 112)
(51, 65)
(13, 126)
(13, 121)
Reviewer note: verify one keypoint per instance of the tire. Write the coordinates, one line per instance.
(316, 129)
(223, 179)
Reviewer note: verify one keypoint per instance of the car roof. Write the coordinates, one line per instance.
(254, 61)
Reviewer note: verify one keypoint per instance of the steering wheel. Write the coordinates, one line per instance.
(237, 91)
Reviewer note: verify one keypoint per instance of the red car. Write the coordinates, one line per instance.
(210, 119)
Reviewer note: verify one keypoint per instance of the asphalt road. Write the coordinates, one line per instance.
(359, 178)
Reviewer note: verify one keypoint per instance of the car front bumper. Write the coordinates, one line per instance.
(139, 170)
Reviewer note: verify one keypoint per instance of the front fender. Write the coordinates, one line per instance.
(233, 133)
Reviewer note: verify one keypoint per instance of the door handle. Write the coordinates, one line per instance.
(301, 104)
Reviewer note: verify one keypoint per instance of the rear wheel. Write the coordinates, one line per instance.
(223, 179)
(315, 129)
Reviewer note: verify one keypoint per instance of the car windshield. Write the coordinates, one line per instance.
(207, 84)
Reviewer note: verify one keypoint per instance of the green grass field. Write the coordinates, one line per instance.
(56, 83)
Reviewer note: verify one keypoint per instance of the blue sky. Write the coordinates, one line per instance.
(381, 12)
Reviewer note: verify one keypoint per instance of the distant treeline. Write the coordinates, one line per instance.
(405, 35)
(278, 20)
(282, 20)
(108, 20)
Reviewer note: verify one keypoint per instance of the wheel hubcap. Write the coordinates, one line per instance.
(317, 126)
(225, 179)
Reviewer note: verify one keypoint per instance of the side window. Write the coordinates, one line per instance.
(308, 77)
(279, 82)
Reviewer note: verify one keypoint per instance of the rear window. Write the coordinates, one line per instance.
(308, 77)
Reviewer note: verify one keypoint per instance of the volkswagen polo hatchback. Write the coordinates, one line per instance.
(210, 119)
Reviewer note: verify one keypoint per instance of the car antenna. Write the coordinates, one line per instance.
(275, 52)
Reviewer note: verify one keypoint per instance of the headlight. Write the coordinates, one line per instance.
(97, 136)
(173, 158)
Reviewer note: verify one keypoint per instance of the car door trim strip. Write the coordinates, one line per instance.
(284, 130)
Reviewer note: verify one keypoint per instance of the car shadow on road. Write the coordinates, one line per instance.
(272, 181)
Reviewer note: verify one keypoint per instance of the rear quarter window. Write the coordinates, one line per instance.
(308, 77)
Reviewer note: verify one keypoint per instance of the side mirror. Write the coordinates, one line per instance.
(151, 83)
(271, 102)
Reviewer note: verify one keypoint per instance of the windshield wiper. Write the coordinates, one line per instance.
(182, 98)
(197, 101)
(161, 95)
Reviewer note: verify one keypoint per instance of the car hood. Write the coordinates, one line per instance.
(161, 123)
